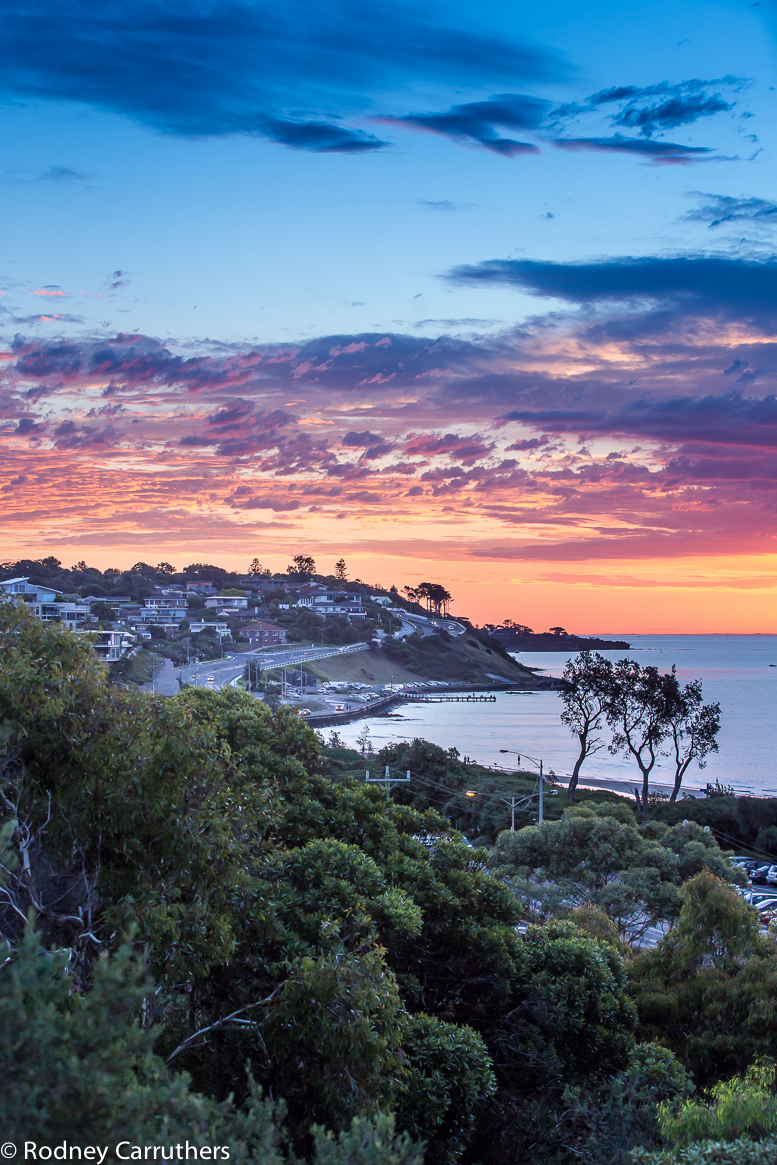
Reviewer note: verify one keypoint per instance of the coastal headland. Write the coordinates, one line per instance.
(470, 658)
(518, 640)
(367, 682)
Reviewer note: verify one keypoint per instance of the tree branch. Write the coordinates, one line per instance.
(222, 1023)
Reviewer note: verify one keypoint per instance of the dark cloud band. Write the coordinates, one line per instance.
(283, 70)
(735, 286)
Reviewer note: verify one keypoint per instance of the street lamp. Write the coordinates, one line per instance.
(512, 801)
(533, 761)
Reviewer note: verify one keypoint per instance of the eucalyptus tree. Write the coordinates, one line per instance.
(651, 714)
(598, 855)
(639, 704)
(692, 727)
(586, 698)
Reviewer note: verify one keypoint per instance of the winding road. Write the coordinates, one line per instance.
(220, 672)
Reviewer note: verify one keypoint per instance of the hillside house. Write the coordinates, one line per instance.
(263, 634)
(42, 602)
(226, 601)
(30, 592)
(112, 645)
(221, 629)
(163, 611)
(325, 602)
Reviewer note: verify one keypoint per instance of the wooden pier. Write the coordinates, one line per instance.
(473, 699)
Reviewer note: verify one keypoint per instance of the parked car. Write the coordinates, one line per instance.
(757, 899)
(758, 874)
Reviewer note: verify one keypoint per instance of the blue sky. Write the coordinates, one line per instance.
(234, 237)
(487, 285)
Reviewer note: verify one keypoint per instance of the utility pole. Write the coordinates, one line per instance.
(387, 780)
(537, 762)
(541, 792)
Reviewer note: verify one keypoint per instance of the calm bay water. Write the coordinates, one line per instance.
(734, 669)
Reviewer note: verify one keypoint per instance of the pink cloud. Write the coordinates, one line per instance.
(514, 431)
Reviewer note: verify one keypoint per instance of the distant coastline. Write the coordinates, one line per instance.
(513, 640)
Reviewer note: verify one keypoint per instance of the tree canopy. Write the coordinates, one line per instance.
(598, 855)
(648, 714)
(264, 927)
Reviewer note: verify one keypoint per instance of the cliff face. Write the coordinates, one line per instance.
(516, 641)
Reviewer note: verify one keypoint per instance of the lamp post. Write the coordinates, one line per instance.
(512, 801)
(536, 762)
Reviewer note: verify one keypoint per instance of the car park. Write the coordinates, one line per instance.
(758, 899)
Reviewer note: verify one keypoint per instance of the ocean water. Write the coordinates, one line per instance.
(734, 670)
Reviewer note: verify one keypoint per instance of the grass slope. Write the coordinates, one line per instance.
(434, 657)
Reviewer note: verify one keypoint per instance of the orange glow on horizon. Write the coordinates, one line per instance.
(676, 596)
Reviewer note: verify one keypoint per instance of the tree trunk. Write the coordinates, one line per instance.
(575, 774)
(678, 780)
(645, 808)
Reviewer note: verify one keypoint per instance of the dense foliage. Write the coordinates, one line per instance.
(598, 855)
(208, 935)
(733, 1125)
(708, 990)
(292, 926)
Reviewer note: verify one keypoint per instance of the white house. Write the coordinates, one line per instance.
(221, 629)
(226, 601)
(162, 611)
(328, 602)
(111, 645)
(41, 601)
(30, 592)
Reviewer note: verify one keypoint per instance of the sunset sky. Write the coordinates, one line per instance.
(484, 294)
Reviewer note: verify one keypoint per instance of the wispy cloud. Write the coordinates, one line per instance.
(717, 210)
(319, 137)
(442, 204)
(654, 108)
(62, 174)
(479, 122)
(286, 72)
(669, 153)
